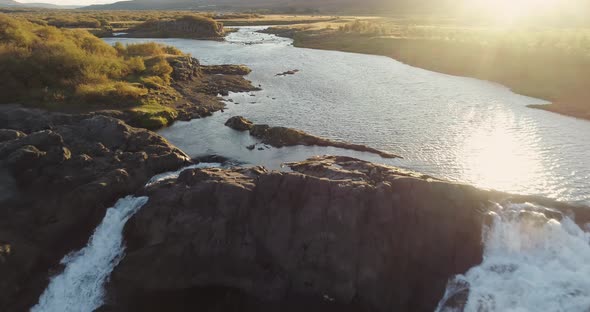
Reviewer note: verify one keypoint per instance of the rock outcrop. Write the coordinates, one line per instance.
(282, 136)
(339, 234)
(58, 174)
(239, 123)
(185, 68)
(240, 70)
(196, 90)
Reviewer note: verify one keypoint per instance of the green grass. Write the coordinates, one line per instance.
(152, 115)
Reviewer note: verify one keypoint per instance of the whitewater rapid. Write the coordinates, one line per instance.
(531, 263)
(81, 286)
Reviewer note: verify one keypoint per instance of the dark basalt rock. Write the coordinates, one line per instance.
(57, 177)
(185, 68)
(338, 232)
(239, 123)
(289, 72)
(240, 70)
(9, 134)
(281, 136)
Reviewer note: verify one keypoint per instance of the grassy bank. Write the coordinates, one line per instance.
(145, 23)
(72, 70)
(552, 64)
(189, 26)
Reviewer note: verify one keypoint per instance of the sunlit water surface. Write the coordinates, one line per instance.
(456, 128)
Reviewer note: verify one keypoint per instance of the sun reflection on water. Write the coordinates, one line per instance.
(496, 157)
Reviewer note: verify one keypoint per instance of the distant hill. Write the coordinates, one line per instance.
(324, 6)
(9, 3)
(15, 4)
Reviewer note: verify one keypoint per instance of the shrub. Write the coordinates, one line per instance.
(158, 66)
(153, 82)
(45, 64)
(144, 49)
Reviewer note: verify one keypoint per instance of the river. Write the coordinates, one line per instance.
(456, 128)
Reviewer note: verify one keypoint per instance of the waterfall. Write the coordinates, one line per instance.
(531, 263)
(81, 285)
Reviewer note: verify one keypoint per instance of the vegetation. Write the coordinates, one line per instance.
(72, 69)
(104, 23)
(189, 26)
(548, 63)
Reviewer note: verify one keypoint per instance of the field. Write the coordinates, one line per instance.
(106, 22)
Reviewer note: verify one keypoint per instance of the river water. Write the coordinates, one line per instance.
(456, 128)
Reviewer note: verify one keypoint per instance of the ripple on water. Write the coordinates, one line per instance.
(456, 128)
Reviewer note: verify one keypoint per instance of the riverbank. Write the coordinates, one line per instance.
(553, 73)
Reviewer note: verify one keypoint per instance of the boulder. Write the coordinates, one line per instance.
(185, 68)
(9, 134)
(239, 123)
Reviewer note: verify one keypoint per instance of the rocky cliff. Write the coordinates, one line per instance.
(58, 174)
(338, 234)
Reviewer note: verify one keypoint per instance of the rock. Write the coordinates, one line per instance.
(185, 68)
(57, 184)
(281, 136)
(337, 234)
(23, 157)
(8, 134)
(359, 234)
(289, 72)
(239, 123)
(240, 70)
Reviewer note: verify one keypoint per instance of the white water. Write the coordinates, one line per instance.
(174, 174)
(531, 263)
(81, 285)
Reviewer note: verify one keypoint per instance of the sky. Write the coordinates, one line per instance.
(68, 2)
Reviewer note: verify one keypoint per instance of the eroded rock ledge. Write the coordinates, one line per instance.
(337, 234)
(58, 175)
(282, 136)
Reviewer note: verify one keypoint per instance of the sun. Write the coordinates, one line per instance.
(511, 11)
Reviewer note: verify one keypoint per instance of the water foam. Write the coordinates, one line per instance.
(174, 174)
(531, 263)
(81, 286)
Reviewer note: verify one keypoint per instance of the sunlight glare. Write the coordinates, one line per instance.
(510, 11)
(499, 160)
